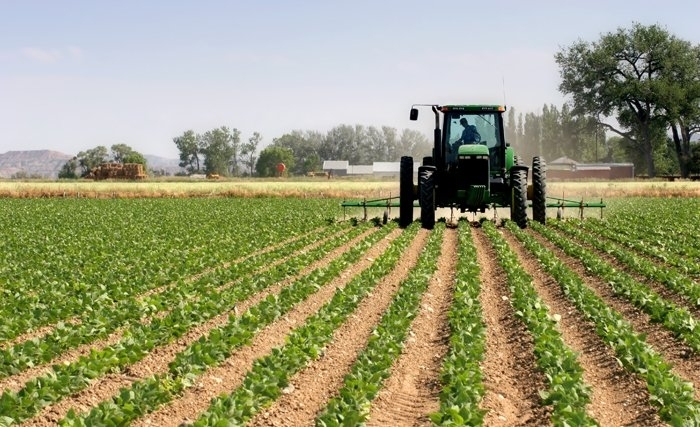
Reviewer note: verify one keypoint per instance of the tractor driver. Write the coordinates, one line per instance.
(469, 134)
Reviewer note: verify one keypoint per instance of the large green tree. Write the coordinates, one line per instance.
(627, 75)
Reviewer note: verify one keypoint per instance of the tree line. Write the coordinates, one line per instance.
(221, 151)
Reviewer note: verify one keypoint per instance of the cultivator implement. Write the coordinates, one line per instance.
(562, 203)
(387, 203)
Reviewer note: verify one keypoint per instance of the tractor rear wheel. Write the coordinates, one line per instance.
(518, 204)
(406, 192)
(426, 183)
(539, 190)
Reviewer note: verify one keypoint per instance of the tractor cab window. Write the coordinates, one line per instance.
(471, 128)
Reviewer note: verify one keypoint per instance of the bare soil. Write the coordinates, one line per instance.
(412, 391)
(509, 368)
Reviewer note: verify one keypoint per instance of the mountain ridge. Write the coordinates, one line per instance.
(48, 163)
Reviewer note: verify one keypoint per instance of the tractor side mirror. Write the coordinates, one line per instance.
(414, 114)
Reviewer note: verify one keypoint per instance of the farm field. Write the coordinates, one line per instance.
(275, 312)
(338, 187)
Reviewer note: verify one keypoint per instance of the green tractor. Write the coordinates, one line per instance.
(472, 168)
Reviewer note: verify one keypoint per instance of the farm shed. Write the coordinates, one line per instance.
(386, 169)
(336, 167)
(360, 170)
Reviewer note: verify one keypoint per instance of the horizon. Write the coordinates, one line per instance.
(79, 74)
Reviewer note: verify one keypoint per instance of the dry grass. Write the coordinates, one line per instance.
(311, 188)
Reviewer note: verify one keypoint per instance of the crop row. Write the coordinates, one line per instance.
(664, 274)
(672, 395)
(270, 375)
(461, 375)
(676, 319)
(146, 395)
(75, 255)
(373, 366)
(140, 338)
(664, 250)
(660, 223)
(102, 321)
(567, 393)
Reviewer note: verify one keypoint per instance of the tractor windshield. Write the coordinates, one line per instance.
(471, 128)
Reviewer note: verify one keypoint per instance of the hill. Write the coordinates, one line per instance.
(44, 163)
(47, 163)
(157, 163)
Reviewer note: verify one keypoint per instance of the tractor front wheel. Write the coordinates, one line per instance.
(518, 205)
(406, 192)
(539, 190)
(426, 184)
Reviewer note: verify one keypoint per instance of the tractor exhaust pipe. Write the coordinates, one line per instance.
(438, 148)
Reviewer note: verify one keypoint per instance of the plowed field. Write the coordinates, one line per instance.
(270, 312)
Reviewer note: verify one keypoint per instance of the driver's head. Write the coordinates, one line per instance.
(463, 121)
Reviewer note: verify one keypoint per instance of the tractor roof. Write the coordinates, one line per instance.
(473, 108)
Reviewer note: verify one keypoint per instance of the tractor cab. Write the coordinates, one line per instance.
(465, 127)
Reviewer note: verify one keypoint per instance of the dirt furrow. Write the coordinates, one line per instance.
(686, 363)
(157, 361)
(230, 374)
(618, 398)
(316, 384)
(412, 391)
(511, 377)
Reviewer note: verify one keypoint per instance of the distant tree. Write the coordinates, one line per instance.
(270, 157)
(341, 143)
(188, 146)
(218, 151)
(92, 158)
(391, 149)
(235, 150)
(305, 146)
(69, 170)
(122, 153)
(414, 143)
(248, 151)
(135, 157)
(22, 175)
(632, 75)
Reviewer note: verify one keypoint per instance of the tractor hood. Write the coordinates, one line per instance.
(473, 150)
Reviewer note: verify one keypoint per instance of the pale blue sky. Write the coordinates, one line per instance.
(76, 74)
